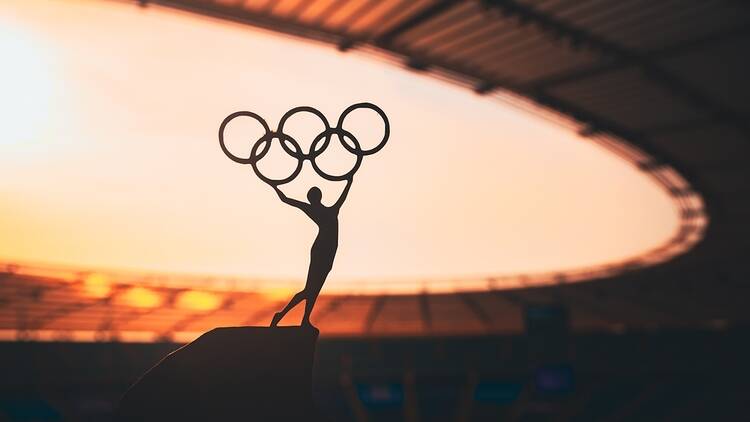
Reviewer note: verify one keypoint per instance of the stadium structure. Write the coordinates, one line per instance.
(660, 337)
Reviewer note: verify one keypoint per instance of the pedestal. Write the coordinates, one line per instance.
(230, 374)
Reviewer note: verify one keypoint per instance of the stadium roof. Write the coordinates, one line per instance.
(660, 83)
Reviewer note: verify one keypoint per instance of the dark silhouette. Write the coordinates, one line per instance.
(323, 250)
(230, 374)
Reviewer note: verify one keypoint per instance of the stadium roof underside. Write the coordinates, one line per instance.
(667, 77)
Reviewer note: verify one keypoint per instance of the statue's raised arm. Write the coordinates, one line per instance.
(290, 201)
(344, 193)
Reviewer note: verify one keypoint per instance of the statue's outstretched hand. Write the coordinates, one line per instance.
(344, 193)
(285, 199)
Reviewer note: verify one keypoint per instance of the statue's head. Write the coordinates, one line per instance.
(314, 195)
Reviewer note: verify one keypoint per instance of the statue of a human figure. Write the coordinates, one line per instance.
(323, 250)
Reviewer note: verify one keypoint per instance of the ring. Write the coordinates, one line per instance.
(223, 126)
(303, 109)
(386, 132)
(327, 136)
(268, 139)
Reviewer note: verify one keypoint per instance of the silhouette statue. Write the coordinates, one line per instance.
(256, 373)
(324, 248)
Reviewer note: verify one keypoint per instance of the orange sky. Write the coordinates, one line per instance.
(109, 158)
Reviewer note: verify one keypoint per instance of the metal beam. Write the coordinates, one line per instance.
(424, 311)
(476, 310)
(301, 7)
(329, 11)
(332, 305)
(426, 14)
(373, 313)
(249, 17)
(68, 308)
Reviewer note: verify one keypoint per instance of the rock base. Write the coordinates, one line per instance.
(230, 374)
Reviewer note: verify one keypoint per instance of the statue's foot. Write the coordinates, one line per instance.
(306, 323)
(276, 318)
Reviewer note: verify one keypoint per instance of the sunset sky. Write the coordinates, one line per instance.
(109, 158)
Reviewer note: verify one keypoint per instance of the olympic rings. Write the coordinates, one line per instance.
(291, 146)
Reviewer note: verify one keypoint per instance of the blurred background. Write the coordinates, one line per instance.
(553, 232)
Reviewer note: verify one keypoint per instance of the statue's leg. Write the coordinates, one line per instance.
(312, 289)
(297, 298)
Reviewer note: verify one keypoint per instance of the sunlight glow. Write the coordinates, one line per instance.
(26, 85)
(97, 286)
(278, 293)
(196, 300)
(141, 297)
(120, 106)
